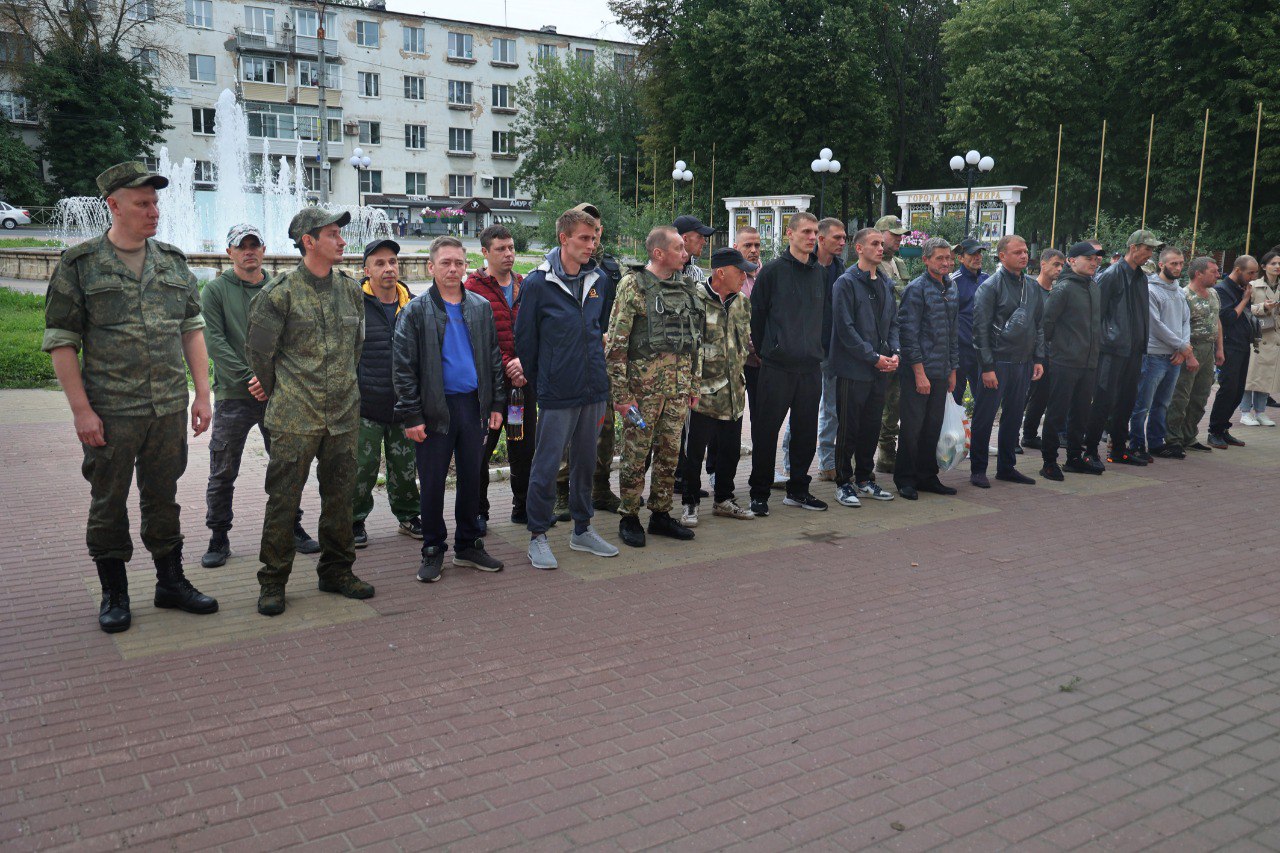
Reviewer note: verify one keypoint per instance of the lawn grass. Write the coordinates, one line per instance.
(22, 363)
(29, 243)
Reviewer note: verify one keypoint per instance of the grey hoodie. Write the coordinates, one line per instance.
(1170, 317)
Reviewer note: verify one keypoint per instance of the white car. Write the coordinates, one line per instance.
(11, 217)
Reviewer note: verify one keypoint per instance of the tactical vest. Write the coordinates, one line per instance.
(673, 320)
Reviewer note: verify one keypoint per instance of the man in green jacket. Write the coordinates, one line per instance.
(225, 308)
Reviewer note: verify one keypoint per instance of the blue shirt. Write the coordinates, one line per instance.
(966, 286)
(459, 363)
(509, 290)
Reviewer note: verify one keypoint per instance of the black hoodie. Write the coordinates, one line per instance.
(791, 314)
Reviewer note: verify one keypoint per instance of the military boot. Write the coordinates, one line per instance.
(174, 590)
(271, 599)
(219, 550)
(113, 614)
(605, 500)
(561, 511)
(344, 582)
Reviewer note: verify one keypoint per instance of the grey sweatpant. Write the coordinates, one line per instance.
(574, 428)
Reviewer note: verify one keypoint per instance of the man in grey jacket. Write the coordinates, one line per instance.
(1168, 351)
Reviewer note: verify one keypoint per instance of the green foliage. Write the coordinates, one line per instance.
(20, 181)
(582, 178)
(28, 243)
(521, 234)
(22, 363)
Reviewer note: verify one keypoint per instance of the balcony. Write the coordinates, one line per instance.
(283, 42)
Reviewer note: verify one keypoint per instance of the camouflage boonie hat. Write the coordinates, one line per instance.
(238, 233)
(892, 224)
(129, 174)
(310, 218)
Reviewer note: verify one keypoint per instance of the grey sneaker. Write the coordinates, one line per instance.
(730, 509)
(588, 541)
(540, 553)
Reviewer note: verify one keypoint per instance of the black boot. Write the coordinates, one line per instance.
(662, 524)
(113, 615)
(630, 531)
(219, 550)
(302, 541)
(174, 590)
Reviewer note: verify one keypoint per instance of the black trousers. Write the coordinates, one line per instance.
(1037, 403)
(1070, 396)
(519, 453)
(752, 375)
(921, 416)
(464, 445)
(779, 392)
(1231, 378)
(1114, 396)
(859, 410)
(721, 442)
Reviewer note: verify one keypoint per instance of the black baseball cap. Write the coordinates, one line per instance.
(1085, 249)
(969, 245)
(731, 257)
(685, 224)
(380, 244)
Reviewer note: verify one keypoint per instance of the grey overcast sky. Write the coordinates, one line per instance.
(588, 18)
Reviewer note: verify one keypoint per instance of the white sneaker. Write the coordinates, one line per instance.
(847, 495)
(1264, 420)
(1249, 419)
(730, 509)
(871, 489)
(540, 553)
(591, 542)
(780, 479)
(689, 518)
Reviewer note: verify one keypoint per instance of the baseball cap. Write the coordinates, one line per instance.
(730, 257)
(238, 233)
(130, 173)
(380, 244)
(1085, 249)
(969, 245)
(892, 224)
(310, 218)
(685, 224)
(1144, 238)
(588, 207)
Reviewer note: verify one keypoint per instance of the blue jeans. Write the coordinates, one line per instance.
(1010, 397)
(1253, 401)
(827, 425)
(1147, 424)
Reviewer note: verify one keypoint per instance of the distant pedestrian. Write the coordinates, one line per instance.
(1192, 391)
(1263, 378)
(1051, 263)
(967, 277)
(1235, 298)
(1169, 352)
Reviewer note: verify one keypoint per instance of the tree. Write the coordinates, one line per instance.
(582, 177)
(20, 181)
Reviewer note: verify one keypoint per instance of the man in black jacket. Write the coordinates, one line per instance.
(1234, 295)
(1072, 340)
(791, 329)
(1007, 311)
(448, 384)
(384, 299)
(864, 355)
(1126, 320)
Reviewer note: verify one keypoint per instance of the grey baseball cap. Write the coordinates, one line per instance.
(237, 234)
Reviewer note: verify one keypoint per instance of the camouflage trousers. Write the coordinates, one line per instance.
(233, 420)
(1190, 396)
(664, 420)
(604, 461)
(157, 448)
(402, 470)
(889, 427)
(287, 472)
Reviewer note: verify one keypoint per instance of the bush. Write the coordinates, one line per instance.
(22, 363)
(521, 235)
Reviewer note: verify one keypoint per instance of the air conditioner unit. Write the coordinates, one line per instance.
(486, 180)
(351, 128)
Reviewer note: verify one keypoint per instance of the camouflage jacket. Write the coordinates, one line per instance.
(130, 329)
(1204, 316)
(726, 341)
(304, 342)
(631, 376)
(896, 270)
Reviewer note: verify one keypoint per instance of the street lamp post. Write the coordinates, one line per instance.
(359, 160)
(679, 173)
(822, 166)
(968, 166)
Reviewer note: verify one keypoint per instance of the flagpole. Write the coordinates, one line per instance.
(1204, 142)
(1147, 183)
(1053, 231)
(1253, 184)
(1102, 153)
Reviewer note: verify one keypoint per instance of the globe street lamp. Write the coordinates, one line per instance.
(679, 173)
(359, 160)
(968, 166)
(822, 166)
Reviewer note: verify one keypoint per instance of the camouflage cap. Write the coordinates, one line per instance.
(1145, 238)
(892, 224)
(310, 218)
(588, 208)
(131, 173)
(238, 233)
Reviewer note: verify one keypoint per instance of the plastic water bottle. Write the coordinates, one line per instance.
(633, 415)
(515, 415)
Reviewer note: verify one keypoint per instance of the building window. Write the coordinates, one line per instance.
(460, 92)
(15, 48)
(586, 55)
(204, 172)
(200, 14)
(15, 107)
(152, 163)
(415, 39)
(259, 20)
(460, 46)
(257, 69)
(624, 63)
(202, 120)
(415, 136)
(367, 34)
(140, 10)
(415, 88)
(308, 23)
(502, 142)
(460, 139)
(460, 186)
(368, 83)
(370, 133)
(308, 126)
(147, 59)
(501, 96)
(309, 74)
(370, 180)
(201, 68)
(286, 121)
(504, 50)
(415, 183)
(547, 51)
(311, 178)
(502, 188)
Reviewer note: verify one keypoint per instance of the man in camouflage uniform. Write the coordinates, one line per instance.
(132, 305)
(306, 330)
(896, 270)
(1192, 391)
(652, 354)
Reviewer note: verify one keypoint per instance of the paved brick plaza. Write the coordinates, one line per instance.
(1088, 664)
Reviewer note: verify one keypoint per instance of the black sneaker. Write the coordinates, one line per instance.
(476, 557)
(806, 501)
(1231, 439)
(760, 508)
(630, 531)
(662, 524)
(1169, 451)
(1126, 458)
(412, 527)
(432, 565)
(302, 542)
(1216, 442)
(1199, 447)
(360, 535)
(219, 550)
(1051, 471)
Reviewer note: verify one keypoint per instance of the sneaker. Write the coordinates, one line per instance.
(1051, 471)
(689, 518)
(361, 536)
(1169, 451)
(630, 531)
(760, 509)
(935, 487)
(1216, 442)
(540, 555)
(1016, 476)
(429, 571)
(1231, 439)
(1092, 464)
(1125, 459)
(1264, 420)
(847, 495)
(1249, 419)
(219, 550)
(412, 527)
(593, 543)
(908, 493)
(302, 542)
(806, 501)
(1199, 447)
(780, 481)
(730, 509)
(1143, 454)
(1033, 442)
(662, 524)
(871, 489)
(979, 480)
(474, 556)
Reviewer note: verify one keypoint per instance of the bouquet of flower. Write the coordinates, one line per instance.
(915, 238)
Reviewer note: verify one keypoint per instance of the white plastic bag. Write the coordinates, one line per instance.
(953, 443)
